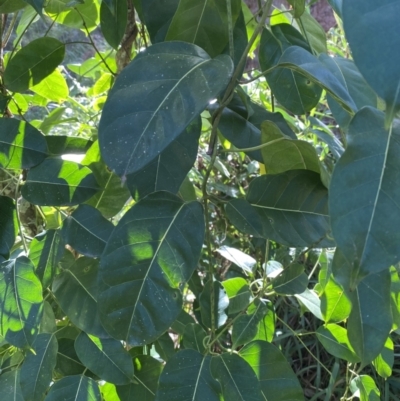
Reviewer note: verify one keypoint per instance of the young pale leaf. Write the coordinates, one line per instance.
(45, 251)
(10, 386)
(80, 279)
(204, 23)
(221, 303)
(237, 379)
(335, 340)
(187, 376)
(291, 281)
(113, 21)
(335, 305)
(383, 363)
(309, 299)
(370, 28)
(107, 358)
(56, 182)
(8, 225)
(277, 379)
(33, 63)
(36, 372)
(74, 388)
(193, 337)
(239, 258)
(22, 146)
(54, 87)
(154, 99)
(151, 253)
(239, 294)
(21, 302)
(365, 388)
(87, 231)
(370, 320)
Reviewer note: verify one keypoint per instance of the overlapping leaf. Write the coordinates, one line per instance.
(220, 302)
(8, 225)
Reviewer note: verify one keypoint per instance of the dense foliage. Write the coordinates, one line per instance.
(177, 226)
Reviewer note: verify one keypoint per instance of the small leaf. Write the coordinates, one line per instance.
(383, 363)
(106, 358)
(291, 281)
(365, 388)
(239, 294)
(239, 258)
(310, 300)
(221, 303)
(8, 225)
(33, 63)
(193, 337)
(113, 21)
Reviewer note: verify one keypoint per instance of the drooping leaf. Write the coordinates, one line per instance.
(369, 27)
(383, 363)
(74, 388)
(21, 144)
(107, 358)
(193, 337)
(80, 279)
(239, 294)
(221, 303)
(113, 21)
(36, 372)
(10, 386)
(370, 320)
(309, 299)
(163, 89)
(237, 379)
(204, 23)
(87, 231)
(193, 369)
(151, 253)
(239, 258)
(366, 388)
(168, 170)
(277, 379)
(8, 225)
(33, 63)
(291, 281)
(45, 251)
(365, 226)
(56, 182)
(21, 302)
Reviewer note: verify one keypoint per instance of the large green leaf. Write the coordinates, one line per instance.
(168, 170)
(151, 253)
(238, 381)
(220, 304)
(366, 176)
(290, 208)
(80, 279)
(113, 21)
(187, 376)
(10, 387)
(370, 29)
(56, 182)
(21, 144)
(291, 281)
(37, 370)
(74, 388)
(87, 231)
(45, 251)
(21, 302)
(107, 358)
(8, 225)
(277, 379)
(32, 63)
(204, 23)
(281, 153)
(154, 99)
(370, 320)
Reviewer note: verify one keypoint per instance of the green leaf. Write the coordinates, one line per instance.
(193, 337)
(87, 231)
(193, 369)
(168, 170)
(8, 225)
(237, 379)
(365, 388)
(312, 31)
(107, 358)
(21, 302)
(291, 281)
(158, 102)
(151, 253)
(204, 23)
(309, 299)
(48, 323)
(395, 298)
(74, 388)
(181, 322)
(291, 89)
(239, 258)
(363, 227)
(80, 279)
(68, 363)
(36, 372)
(10, 6)
(370, 320)
(298, 7)
(10, 386)
(165, 347)
(103, 84)
(221, 303)
(335, 340)
(45, 251)
(283, 207)
(33, 63)
(21, 144)
(239, 294)
(145, 381)
(54, 87)
(370, 28)
(277, 379)
(56, 182)
(335, 305)
(113, 21)
(37, 5)
(62, 144)
(383, 363)
(266, 326)
(282, 153)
